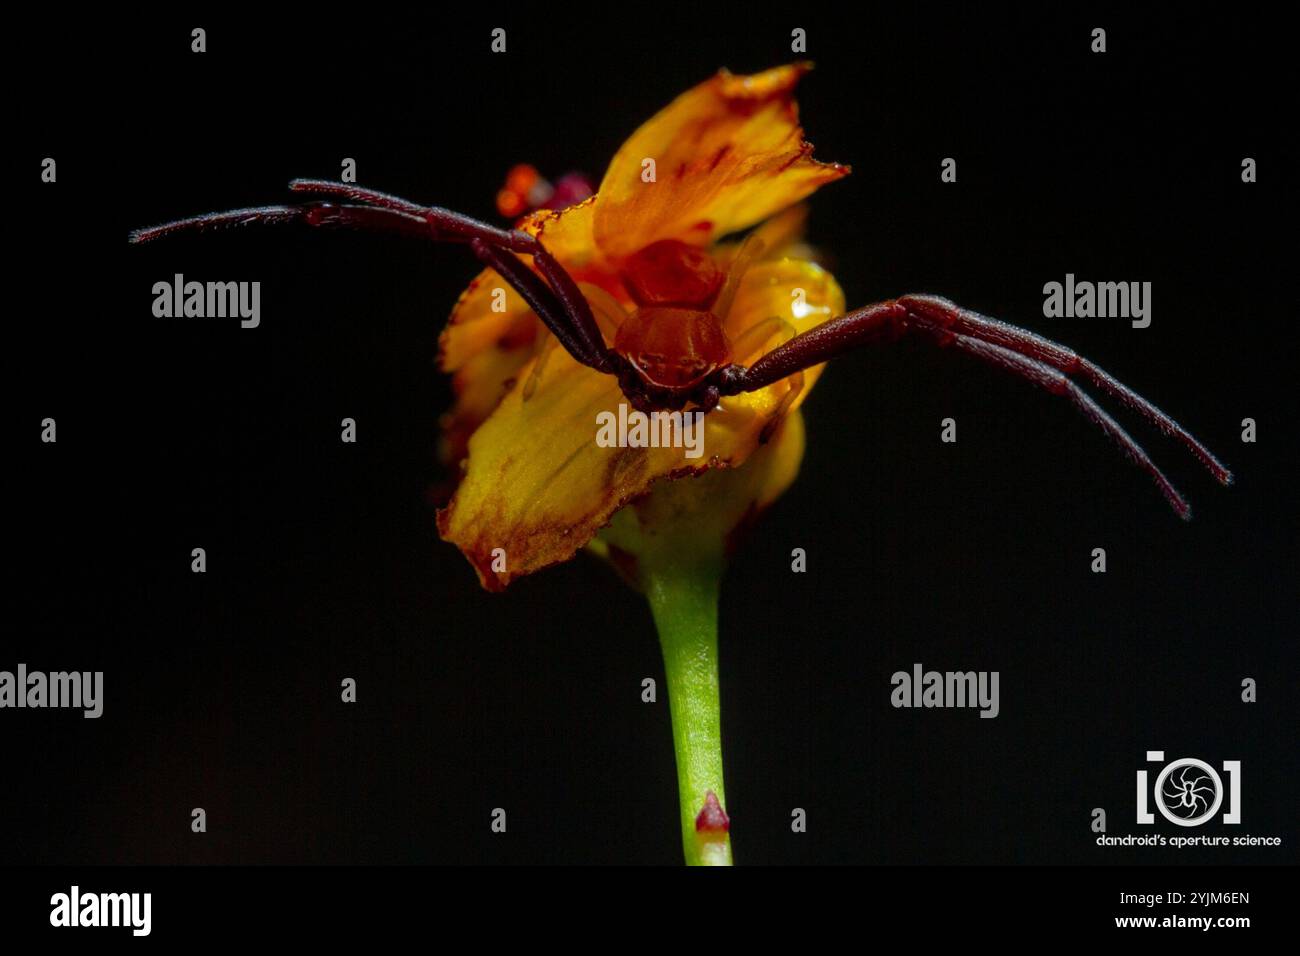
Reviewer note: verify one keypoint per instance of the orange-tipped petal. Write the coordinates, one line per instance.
(727, 154)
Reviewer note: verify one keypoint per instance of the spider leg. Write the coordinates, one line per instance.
(557, 301)
(1064, 360)
(886, 321)
(313, 214)
(543, 354)
(453, 226)
(446, 225)
(609, 316)
(543, 301)
(754, 337)
(1057, 383)
(749, 250)
(354, 193)
(782, 407)
(868, 325)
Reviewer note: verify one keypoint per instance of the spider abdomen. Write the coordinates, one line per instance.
(673, 347)
(670, 272)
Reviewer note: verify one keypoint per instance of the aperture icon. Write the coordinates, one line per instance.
(1189, 792)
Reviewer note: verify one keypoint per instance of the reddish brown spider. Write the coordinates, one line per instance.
(672, 352)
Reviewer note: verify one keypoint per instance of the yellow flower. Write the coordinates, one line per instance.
(535, 486)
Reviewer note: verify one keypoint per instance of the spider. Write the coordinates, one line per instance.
(1188, 793)
(671, 351)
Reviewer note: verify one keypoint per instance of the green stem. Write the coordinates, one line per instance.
(684, 600)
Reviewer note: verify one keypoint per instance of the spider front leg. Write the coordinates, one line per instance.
(1012, 349)
(447, 225)
(320, 214)
(554, 296)
(543, 301)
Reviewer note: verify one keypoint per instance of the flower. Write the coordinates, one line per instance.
(535, 486)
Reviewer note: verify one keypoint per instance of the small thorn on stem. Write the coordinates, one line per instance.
(712, 819)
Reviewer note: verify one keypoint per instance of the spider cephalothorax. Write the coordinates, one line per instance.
(671, 350)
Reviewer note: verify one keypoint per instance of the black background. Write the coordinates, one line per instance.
(222, 690)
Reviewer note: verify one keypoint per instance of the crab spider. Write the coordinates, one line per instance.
(671, 351)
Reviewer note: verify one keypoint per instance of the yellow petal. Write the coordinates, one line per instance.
(798, 291)
(701, 516)
(476, 324)
(727, 154)
(479, 384)
(568, 234)
(537, 486)
(484, 349)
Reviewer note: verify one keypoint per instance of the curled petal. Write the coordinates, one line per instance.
(727, 154)
(568, 234)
